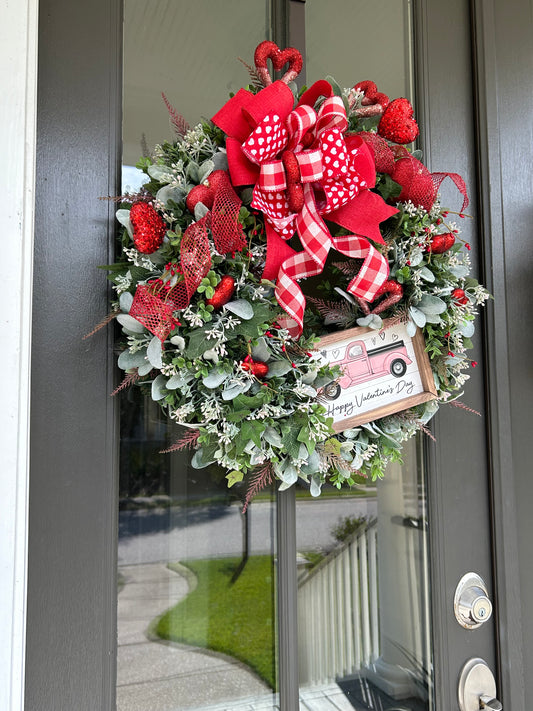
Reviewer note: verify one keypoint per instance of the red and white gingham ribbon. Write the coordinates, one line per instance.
(316, 241)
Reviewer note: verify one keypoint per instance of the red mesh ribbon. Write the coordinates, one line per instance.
(227, 231)
(153, 306)
(383, 156)
(418, 184)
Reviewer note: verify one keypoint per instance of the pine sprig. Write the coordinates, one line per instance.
(349, 268)
(107, 319)
(259, 480)
(338, 312)
(179, 124)
(458, 403)
(187, 441)
(256, 80)
(129, 379)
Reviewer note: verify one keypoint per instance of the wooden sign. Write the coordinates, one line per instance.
(384, 372)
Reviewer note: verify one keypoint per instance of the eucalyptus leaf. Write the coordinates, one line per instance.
(205, 170)
(277, 368)
(459, 271)
(411, 328)
(288, 475)
(416, 256)
(467, 328)
(145, 368)
(433, 318)
(313, 464)
(179, 342)
(241, 308)
(315, 486)
(431, 304)
(127, 360)
(175, 382)
(125, 301)
(211, 355)
(215, 378)
(200, 210)
(234, 390)
(220, 161)
(160, 173)
(170, 192)
(261, 351)
(200, 460)
(309, 377)
(123, 216)
(158, 387)
(427, 274)
(419, 317)
(154, 353)
(130, 323)
(272, 436)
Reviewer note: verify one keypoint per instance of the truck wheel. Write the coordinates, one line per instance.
(332, 391)
(398, 367)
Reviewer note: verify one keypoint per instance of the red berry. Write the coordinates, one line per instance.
(149, 228)
(256, 367)
(223, 292)
(459, 296)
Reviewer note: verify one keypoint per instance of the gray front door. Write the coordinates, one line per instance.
(73, 507)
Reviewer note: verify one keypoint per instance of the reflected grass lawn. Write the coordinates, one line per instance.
(236, 618)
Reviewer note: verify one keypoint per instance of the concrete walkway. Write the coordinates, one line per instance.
(161, 676)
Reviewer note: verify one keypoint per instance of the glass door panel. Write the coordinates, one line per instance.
(196, 597)
(363, 596)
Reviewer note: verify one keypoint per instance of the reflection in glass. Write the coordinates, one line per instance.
(363, 597)
(196, 599)
(196, 603)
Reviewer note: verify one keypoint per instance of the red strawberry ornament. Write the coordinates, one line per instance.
(149, 228)
(397, 123)
(223, 292)
(459, 296)
(441, 243)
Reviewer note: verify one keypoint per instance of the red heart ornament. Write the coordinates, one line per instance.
(391, 287)
(223, 292)
(372, 95)
(441, 243)
(397, 123)
(270, 50)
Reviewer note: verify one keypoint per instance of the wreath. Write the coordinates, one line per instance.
(232, 216)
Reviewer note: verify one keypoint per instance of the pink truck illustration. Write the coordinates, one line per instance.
(360, 365)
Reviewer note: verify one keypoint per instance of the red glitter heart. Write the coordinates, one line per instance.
(149, 228)
(390, 287)
(397, 123)
(270, 50)
(223, 292)
(372, 95)
(441, 243)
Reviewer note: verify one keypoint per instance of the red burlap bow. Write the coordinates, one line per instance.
(303, 165)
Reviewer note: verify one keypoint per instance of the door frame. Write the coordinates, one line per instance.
(72, 559)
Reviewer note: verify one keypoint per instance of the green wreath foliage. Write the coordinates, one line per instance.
(275, 426)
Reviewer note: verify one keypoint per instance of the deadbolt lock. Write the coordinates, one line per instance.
(471, 603)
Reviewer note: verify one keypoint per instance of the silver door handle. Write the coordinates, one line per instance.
(487, 702)
(477, 687)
